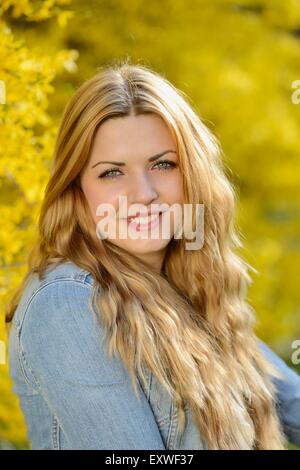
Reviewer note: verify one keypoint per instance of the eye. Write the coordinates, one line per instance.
(111, 173)
(108, 173)
(169, 163)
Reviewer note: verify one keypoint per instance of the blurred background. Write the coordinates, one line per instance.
(238, 61)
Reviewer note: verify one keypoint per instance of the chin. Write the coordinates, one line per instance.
(143, 246)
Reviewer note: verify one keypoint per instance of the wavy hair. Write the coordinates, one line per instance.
(195, 331)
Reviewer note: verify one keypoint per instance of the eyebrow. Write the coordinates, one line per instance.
(151, 159)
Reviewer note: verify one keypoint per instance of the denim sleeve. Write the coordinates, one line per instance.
(288, 395)
(90, 393)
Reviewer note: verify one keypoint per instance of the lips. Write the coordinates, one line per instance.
(146, 223)
(144, 219)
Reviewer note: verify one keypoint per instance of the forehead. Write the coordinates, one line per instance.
(131, 137)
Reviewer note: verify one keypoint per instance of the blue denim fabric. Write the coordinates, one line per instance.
(73, 396)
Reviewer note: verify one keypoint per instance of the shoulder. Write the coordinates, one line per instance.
(65, 270)
(62, 288)
(61, 335)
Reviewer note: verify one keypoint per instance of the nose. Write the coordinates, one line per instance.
(142, 190)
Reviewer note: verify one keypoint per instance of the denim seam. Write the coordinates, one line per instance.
(55, 432)
(149, 386)
(162, 421)
(53, 281)
(173, 427)
(22, 359)
(22, 354)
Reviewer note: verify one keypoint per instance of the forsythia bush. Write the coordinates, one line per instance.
(26, 142)
(37, 10)
(235, 59)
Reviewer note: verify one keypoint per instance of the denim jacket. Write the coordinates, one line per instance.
(74, 396)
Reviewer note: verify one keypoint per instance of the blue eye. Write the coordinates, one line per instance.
(110, 173)
(169, 163)
(107, 175)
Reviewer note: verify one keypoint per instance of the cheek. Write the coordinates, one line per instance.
(96, 196)
(172, 187)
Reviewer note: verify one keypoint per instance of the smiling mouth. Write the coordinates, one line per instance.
(142, 223)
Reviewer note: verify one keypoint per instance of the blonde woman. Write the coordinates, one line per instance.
(141, 341)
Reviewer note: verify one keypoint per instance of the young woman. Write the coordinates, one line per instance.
(142, 341)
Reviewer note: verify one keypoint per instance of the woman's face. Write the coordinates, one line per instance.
(124, 162)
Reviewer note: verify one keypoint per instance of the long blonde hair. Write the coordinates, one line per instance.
(195, 331)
